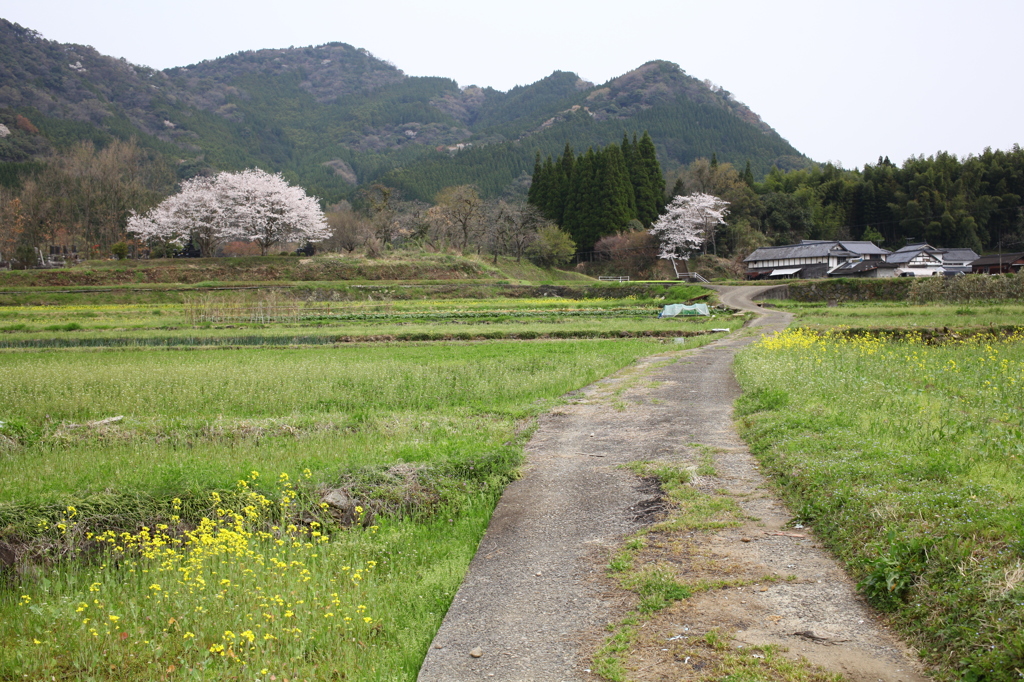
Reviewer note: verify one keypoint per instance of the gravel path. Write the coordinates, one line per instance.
(536, 592)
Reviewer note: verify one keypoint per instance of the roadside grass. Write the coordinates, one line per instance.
(237, 596)
(902, 314)
(423, 437)
(909, 459)
(637, 567)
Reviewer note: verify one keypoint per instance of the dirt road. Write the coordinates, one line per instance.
(536, 597)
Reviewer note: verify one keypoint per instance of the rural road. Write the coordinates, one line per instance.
(536, 597)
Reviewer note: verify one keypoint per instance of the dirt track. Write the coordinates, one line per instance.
(536, 596)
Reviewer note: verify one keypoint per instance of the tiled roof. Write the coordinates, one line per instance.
(814, 248)
(865, 248)
(920, 246)
(904, 256)
(960, 255)
(859, 266)
(996, 259)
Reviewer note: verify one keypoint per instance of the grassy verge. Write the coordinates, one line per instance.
(422, 437)
(881, 314)
(909, 460)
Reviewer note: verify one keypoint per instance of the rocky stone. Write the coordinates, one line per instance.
(342, 507)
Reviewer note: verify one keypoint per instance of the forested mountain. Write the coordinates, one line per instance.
(334, 117)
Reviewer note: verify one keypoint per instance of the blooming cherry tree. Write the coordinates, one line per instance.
(252, 205)
(267, 210)
(689, 223)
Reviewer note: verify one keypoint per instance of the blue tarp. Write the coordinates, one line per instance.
(683, 309)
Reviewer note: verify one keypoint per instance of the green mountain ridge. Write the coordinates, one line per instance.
(334, 117)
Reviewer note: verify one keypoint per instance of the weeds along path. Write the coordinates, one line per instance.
(536, 600)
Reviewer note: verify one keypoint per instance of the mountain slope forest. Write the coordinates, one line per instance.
(85, 139)
(334, 118)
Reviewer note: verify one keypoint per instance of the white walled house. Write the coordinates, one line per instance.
(924, 260)
(810, 259)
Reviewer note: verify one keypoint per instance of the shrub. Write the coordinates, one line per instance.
(552, 248)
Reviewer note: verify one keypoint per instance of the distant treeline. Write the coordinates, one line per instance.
(974, 202)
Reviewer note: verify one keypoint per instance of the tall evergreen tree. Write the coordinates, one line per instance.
(678, 189)
(618, 202)
(536, 183)
(748, 175)
(650, 196)
(565, 163)
(567, 160)
(581, 201)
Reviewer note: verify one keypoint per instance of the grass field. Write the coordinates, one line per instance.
(166, 505)
(898, 315)
(908, 459)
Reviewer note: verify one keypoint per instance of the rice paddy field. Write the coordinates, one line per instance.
(905, 452)
(164, 498)
(243, 319)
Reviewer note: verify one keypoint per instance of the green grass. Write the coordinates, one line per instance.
(883, 314)
(425, 436)
(908, 458)
(196, 414)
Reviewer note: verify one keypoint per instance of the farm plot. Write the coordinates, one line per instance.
(272, 321)
(908, 459)
(188, 540)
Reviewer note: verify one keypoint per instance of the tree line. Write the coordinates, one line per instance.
(82, 197)
(972, 202)
(600, 192)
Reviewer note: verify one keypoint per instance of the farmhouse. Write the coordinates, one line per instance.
(958, 260)
(811, 258)
(865, 268)
(998, 264)
(918, 260)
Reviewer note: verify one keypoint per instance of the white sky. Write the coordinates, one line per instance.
(844, 82)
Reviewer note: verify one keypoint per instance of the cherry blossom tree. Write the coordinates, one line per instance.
(197, 213)
(252, 205)
(267, 210)
(689, 223)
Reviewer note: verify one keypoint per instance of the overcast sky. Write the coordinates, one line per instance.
(845, 82)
